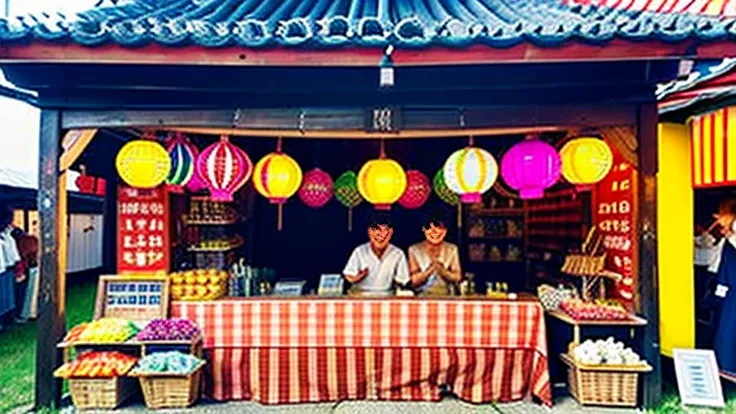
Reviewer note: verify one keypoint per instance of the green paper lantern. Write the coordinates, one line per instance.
(346, 192)
(443, 191)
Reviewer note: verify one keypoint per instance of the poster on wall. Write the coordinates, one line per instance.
(614, 213)
(143, 230)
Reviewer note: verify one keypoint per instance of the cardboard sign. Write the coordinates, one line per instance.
(697, 377)
(143, 230)
(137, 298)
(614, 213)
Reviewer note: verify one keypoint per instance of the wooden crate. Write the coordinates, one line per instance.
(106, 393)
(192, 346)
(171, 391)
(604, 385)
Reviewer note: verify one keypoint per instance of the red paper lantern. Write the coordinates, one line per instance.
(224, 168)
(417, 190)
(316, 189)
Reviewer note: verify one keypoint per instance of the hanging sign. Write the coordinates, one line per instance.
(614, 213)
(143, 230)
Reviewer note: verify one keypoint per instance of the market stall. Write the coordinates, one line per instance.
(275, 83)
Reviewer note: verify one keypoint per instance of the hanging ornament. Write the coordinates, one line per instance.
(585, 161)
(316, 189)
(183, 154)
(143, 163)
(224, 168)
(346, 192)
(417, 190)
(381, 181)
(195, 184)
(530, 167)
(470, 172)
(443, 191)
(277, 177)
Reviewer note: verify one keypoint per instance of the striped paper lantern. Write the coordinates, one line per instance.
(183, 155)
(470, 172)
(224, 168)
(714, 149)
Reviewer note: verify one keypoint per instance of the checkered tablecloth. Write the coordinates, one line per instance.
(302, 350)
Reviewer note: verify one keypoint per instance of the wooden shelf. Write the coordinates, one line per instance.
(210, 223)
(632, 321)
(215, 249)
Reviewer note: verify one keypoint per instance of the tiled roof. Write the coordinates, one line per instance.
(707, 81)
(334, 23)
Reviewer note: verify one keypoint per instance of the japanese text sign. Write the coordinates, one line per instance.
(138, 298)
(143, 230)
(614, 214)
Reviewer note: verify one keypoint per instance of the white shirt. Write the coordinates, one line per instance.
(382, 272)
(8, 250)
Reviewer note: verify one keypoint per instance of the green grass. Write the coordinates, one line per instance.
(18, 349)
(671, 403)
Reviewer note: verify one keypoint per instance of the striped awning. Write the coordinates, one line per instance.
(714, 148)
(725, 8)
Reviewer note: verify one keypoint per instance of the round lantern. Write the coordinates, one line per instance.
(530, 167)
(183, 154)
(470, 172)
(316, 189)
(224, 168)
(382, 182)
(585, 161)
(277, 177)
(346, 192)
(443, 191)
(143, 163)
(195, 184)
(417, 190)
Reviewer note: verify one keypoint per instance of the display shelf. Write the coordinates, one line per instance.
(216, 249)
(210, 223)
(633, 322)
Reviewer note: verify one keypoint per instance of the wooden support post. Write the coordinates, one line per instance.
(647, 233)
(52, 212)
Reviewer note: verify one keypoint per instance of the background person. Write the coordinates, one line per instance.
(434, 264)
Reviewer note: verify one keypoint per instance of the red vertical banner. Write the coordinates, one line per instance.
(143, 230)
(614, 214)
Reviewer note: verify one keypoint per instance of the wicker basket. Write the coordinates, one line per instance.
(108, 393)
(171, 391)
(604, 385)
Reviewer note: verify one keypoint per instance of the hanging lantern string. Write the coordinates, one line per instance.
(279, 145)
(383, 148)
(224, 138)
(471, 141)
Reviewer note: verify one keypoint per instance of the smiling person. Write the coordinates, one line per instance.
(373, 267)
(434, 264)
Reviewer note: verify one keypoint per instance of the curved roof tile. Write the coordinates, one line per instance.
(335, 23)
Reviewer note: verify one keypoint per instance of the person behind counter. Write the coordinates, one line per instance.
(373, 267)
(434, 264)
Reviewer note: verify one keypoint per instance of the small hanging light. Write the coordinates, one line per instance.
(386, 77)
(381, 181)
(277, 177)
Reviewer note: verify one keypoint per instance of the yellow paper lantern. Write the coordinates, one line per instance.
(382, 182)
(277, 177)
(143, 163)
(586, 161)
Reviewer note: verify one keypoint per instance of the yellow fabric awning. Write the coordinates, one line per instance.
(714, 148)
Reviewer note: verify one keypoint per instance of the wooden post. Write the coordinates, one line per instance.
(52, 213)
(648, 273)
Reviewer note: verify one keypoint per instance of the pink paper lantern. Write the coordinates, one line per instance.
(530, 167)
(417, 190)
(224, 168)
(316, 189)
(195, 184)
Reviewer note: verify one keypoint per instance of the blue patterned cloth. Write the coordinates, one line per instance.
(7, 294)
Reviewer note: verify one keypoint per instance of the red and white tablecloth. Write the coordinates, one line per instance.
(306, 350)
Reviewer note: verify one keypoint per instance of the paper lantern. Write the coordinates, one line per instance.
(530, 167)
(195, 184)
(316, 189)
(224, 168)
(143, 163)
(417, 190)
(585, 161)
(381, 181)
(183, 155)
(470, 172)
(277, 177)
(443, 191)
(346, 192)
